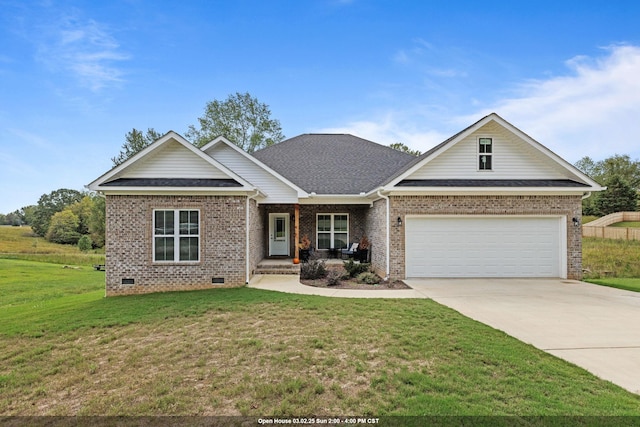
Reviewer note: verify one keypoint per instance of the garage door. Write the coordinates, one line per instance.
(496, 246)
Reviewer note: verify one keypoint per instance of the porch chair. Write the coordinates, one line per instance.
(350, 251)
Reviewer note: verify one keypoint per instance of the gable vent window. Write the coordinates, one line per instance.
(485, 154)
(176, 235)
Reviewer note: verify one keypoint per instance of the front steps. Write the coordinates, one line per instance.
(277, 266)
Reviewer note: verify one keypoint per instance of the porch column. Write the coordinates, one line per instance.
(296, 230)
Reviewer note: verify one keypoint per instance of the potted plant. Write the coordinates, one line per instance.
(363, 249)
(304, 248)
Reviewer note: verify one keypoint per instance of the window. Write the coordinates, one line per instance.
(485, 154)
(332, 231)
(176, 235)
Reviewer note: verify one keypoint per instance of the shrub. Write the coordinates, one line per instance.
(369, 278)
(85, 243)
(314, 269)
(355, 269)
(333, 278)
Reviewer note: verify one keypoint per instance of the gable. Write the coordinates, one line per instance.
(513, 158)
(170, 164)
(172, 160)
(274, 188)
(516, 161)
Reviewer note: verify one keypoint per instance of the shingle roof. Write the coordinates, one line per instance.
(333, 163)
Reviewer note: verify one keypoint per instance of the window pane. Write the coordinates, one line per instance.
(485, 163)
(188, 222)
(164, 249)
(340, 240)
(340, 223)
(280, 229)
(188, 249)
(163, 222)
(324, 240)
(485, 145)
(324, 222)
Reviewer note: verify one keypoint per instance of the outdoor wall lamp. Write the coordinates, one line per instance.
(576, 222)
(399, 222)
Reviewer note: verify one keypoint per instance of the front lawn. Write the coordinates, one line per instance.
(259, 353)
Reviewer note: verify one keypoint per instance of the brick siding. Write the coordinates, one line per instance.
(129, 246)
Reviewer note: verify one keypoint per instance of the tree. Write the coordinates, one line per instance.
(618, 197)
(48, 205)
(604, 171)
(616, 165)
(64, 228)
(404, 148)
(85, 243)
(242, 119)
(135, 142)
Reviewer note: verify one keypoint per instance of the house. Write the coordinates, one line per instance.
(488, 202)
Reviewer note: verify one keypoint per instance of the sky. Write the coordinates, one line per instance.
(76, 76)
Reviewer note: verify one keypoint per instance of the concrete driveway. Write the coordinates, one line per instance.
(595, 327)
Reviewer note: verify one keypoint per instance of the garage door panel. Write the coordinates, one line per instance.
(483, 247)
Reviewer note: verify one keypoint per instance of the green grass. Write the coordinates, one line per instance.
(610, 258)
(620, 283)
(20, 243)
(587, 218)
(626, 224)
(258, 353)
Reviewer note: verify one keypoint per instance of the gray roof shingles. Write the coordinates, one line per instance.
(490, 183)
(171, 182)
(334, 163)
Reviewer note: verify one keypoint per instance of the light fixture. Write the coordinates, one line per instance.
(399, 222)
(576, 222)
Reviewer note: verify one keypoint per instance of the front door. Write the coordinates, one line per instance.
(278, 234)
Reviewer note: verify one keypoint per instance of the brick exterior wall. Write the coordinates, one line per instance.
(129, 246)
(257, 248)
(376, 231)
(570, 206)
(357, 220)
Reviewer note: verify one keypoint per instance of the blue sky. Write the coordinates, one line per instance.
(76, 76)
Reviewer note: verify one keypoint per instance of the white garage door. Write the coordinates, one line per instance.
(497, 246)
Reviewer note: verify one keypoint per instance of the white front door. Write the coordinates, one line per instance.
(278, 234)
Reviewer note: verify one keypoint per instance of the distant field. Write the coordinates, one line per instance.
(21, 243)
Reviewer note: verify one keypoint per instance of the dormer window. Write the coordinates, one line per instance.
(485, 154)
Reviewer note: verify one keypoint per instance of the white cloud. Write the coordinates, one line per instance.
(389, 129)
(594, 110)
(84, 48)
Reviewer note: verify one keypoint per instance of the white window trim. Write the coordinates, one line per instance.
(332, 232)
(485, 154)
(176, 237)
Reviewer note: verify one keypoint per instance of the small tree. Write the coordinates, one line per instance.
(618, 197)
(85, 244)
(64, 228)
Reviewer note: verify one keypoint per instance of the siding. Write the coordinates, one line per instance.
(276, 190)
(512, 159)
(173, 161)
